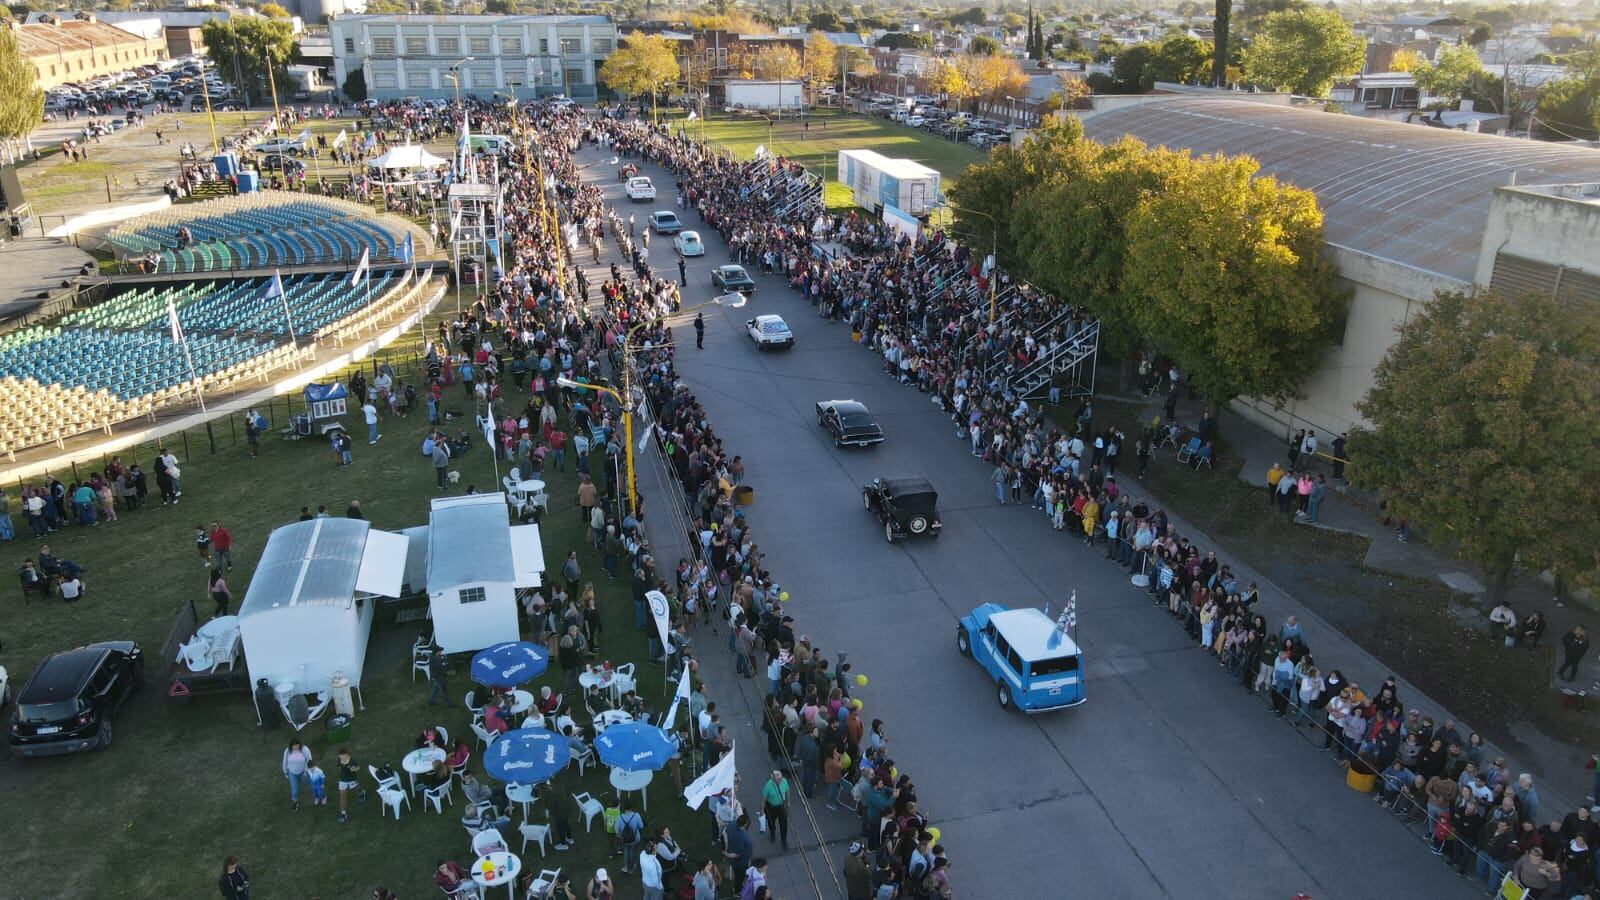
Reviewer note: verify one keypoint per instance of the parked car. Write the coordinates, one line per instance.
(769, 331)
(915, 121)
(688, 243)
(279, 163)
(281, 145)
(733, 278)
(905, 506)
(665, 222)
(641, 189)
(1035, 664)
(849, 422)
(68, 702)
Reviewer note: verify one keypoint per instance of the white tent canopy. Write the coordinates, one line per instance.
(409, 158)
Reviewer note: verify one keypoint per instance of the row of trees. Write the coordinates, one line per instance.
(646, 64)
(1219, 269)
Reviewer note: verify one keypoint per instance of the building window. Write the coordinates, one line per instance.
(602, 45)
(472, 595)
(416, 46)
(384, 80)
(544, 45)
(383, 46)
(448, 46)
(510, 46)
(478, 46)
(419, 80)
(575, 76)
(571, 45)
(349, 45)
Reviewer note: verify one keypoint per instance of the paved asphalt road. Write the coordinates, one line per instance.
(1169, 782)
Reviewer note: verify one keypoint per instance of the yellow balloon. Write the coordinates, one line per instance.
(844, 760)
(861, 680)
(856, 704)
(933, 835)
(783, 596)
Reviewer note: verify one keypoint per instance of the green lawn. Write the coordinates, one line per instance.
(186, 785)
(818, 147)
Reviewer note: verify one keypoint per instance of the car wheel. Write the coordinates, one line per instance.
(1004, 696)
(888, 531)
(963, 643)
(918, 524)
(866, 500)
(838, 444)
(105, 733)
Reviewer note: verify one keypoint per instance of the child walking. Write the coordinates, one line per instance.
(319, 785)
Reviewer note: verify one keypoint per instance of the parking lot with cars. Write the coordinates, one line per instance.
(923, 112)
(180, 82)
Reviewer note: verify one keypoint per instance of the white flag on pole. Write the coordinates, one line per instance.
(659, 607)
(172, 321)
(713, 781)
(361, 267)
(692, 116)
(677, 698)
(274, 287)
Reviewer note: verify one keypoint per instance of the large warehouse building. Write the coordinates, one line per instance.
(1409, 211)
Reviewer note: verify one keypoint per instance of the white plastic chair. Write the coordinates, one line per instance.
(438, 797)
(485, 736)
(536, 833)
(590, 807)
(522, 795)
(847, 797)
(392, 799)
(384, 784)
(543, 886)
(476, 710)
(444, 735)
(419, 663)
(586, 758)
(487, 841)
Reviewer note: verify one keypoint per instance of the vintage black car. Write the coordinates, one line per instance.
(733, 278)
(906, 506)
(849, 423)
(67, 704)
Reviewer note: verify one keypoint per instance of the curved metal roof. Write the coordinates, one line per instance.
(1407, 193)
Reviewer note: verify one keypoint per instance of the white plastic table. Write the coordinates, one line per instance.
(610, 717)
(626, 780)
(531, 486)
(506, 869)
(419, 761)
(602, 678)
(521, 794)
(521, 702)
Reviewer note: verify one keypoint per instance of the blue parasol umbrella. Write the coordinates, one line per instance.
(527, 756)
(635, 746)
(512, 662)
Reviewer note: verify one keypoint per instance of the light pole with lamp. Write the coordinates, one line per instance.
(455, 74)
(625, 397)
(994, 254)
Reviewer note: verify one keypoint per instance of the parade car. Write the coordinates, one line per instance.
(733, 278)
(68, 702)
(689, 244)
(665, 222)
(1035, 664)
(769, 331)
(640, 189)
(626, 171)
(849, 423)
(907, 507)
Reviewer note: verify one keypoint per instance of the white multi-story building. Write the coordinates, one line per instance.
(423, 56)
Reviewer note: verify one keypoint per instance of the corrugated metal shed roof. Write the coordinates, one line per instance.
(1417, 196)
(469, 539)
(312, 563)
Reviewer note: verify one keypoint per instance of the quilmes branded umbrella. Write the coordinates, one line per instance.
(527, 756)
(635, 746)
(513, 662)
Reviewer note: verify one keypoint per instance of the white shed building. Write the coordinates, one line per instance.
(476, 562)
(308, 610)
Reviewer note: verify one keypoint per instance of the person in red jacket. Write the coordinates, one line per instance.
(222, 546)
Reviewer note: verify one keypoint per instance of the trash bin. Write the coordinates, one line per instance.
(339, 729)
(744, 495)
(1360, 781)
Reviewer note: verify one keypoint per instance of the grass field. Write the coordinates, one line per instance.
(186, 785)
(818, 146)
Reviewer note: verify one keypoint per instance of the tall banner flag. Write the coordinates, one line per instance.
(360, 273)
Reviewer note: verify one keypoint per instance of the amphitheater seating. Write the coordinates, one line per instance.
(259, 230)
(117, 360)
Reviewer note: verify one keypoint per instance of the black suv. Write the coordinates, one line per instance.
(67, 704)
(906, 506)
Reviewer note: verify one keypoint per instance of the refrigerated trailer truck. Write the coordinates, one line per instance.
(877, 181)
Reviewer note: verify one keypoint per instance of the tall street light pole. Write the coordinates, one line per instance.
(994, 256)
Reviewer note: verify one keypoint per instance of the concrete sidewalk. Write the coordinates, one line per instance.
(1558, 767)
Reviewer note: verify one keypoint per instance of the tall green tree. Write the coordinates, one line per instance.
(1457, 68)
(1231, 280)
(21, 101)
(1482, 431)
(244, 48)
(983, 45)
(1220, 37)
(1303, 50)
(1178, 58)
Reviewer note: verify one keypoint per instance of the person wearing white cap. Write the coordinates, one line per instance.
(600, 886)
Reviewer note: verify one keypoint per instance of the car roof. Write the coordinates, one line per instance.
(665, 212)
(731, 268)
(770, 318)
(689, 234)
(847, 406)
(1032, 634)
(62, 675)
